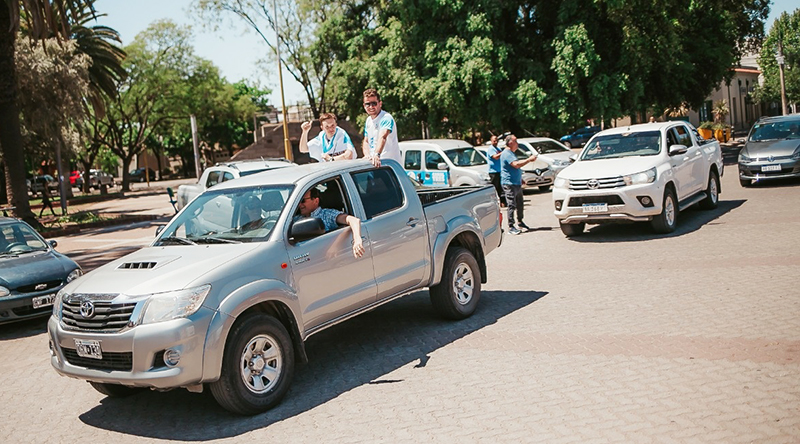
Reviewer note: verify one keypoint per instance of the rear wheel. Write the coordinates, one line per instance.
(571, 230)
(457, 295)
(668, 219)
(712, 192)
(257, 366)
(115, 390)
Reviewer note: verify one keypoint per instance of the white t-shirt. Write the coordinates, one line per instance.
(338, 145)
(384, 120)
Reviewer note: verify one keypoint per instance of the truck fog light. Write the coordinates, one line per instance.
(559, 203)
(646, 201)
(172, 357)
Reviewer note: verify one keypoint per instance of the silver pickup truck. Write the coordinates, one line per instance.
(210, 303)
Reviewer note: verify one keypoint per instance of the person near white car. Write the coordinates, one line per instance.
(332, 143)
(511, 179)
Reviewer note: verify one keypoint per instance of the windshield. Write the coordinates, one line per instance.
(544, 147)
(612, 146)
(785, 129)
(465, 156)
(17, 238)
(228, 216)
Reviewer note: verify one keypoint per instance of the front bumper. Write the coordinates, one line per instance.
(756, 170)
(135, 356)
(623, 204)
(18, 307)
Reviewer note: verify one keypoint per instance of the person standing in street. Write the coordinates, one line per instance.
(511, 179)
(380, 131)
(493, 154)
(332, 143)
(46, 203)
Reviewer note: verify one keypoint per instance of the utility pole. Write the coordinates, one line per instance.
(781, 62)
(287, 148)
(196, 148)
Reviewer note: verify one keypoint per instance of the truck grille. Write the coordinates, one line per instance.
(110, 361)
(106, 317)
(612, 199)
(596, 184)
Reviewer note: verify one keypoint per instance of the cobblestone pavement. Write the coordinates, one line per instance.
(616, 336)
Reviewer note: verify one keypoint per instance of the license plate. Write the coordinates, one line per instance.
(43, 301)
(595, 208)
(771, 168)
(88, 349)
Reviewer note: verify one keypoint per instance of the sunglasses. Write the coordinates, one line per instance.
(370, 103)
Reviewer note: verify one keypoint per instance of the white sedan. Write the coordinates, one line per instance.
(553, 157)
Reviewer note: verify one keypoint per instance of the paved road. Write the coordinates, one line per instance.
(616, 336)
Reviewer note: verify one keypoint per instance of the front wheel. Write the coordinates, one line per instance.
(456, 296)
(568, 145)
(572, 230)
(257, 366)
(712, 192)
(668, 219)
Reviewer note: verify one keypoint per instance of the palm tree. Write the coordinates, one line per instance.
(43, 18)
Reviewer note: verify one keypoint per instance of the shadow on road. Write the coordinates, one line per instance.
(353, 354)
(23, 329)
(689, 221)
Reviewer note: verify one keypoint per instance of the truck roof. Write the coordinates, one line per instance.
(444, 144)
(655, 126)
(282, 176)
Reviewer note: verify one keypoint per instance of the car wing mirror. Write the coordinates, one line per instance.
(442, 166)
(159, 229)
(573, 157)
(676, 150)
(52, 243)
(306, 228)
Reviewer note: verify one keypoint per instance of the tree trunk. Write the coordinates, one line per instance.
(10, 137)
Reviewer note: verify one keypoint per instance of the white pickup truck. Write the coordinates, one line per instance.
(213, 303)
(638, 173)
(226, 171)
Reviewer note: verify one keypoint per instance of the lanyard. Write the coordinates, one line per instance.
(326, 148)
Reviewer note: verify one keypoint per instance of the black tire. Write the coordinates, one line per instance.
(457, 295)
(251, 338)
(115, 390)
(712, 192)
(745, 182)
(668, 219)
(544, 188)
(572, 230)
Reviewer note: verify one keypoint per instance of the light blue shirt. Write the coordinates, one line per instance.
(494, 164)
(328, 217)
(508, 174)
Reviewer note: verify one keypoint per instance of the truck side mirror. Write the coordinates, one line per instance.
(676, 150)
(306, 228)
(159, 229)
(573, 157)
(442, 166)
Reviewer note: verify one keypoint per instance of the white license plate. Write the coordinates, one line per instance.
(88, 349)
(595, 208)
(771, 168)
(43, 301)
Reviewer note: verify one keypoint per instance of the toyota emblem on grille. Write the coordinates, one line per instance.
(592, 184)
(87, 309)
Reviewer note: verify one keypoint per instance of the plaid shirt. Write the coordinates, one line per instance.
(328, 217)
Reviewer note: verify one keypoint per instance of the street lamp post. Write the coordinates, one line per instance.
(287, 148)
(781, 62)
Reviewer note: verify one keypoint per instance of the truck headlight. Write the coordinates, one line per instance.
(560, 182)
(648, 176)
(59, 303)
(74, 274)
(173, 304)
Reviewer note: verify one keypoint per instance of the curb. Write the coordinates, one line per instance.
(122, 220)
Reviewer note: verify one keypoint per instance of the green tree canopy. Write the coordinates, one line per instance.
(786, 31)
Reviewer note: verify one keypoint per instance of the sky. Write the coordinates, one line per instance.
(234, 48)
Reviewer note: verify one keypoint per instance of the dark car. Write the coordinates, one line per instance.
(39, 182)
(579, 137)
(138, 175)
(772, 150)
(31, 272)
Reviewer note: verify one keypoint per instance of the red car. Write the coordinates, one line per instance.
(74, 176)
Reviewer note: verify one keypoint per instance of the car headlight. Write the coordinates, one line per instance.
(559, 162)
(74, 274)
(173, 304)
(560, 182)
(648, 176)
(485, 177)
(744, 159)
(4, 291)
(796, 154)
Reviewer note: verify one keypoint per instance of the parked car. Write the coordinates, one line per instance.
(444, 162)
(772, 150)
(31, 271)
(96, 179)
(552, 158)
(138, 175)
(210, 304)
(222, 172)
(73, 176)
(579, 137)
(638, 173)
(37, 184)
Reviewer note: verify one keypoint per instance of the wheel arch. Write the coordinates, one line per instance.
(466, 239)
(714, 169)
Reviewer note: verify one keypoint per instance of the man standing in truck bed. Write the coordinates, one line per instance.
(380, 131)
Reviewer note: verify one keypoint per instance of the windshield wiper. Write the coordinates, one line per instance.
(176, 240)
(215, 240)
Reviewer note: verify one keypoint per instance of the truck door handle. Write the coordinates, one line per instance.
(412, 221)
